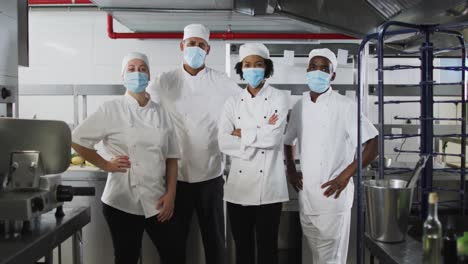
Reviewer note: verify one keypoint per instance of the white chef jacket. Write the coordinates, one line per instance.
(327, 138)
(257, 174)
(145, 135)
(194, 104)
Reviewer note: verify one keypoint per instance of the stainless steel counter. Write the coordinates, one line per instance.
(406, 252)
(51, 232)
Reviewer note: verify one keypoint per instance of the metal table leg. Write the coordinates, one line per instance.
(77, 247)
(49, 258)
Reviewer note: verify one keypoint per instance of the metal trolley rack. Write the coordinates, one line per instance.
(426, 119)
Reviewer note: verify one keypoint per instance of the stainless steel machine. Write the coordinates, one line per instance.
(32, 154)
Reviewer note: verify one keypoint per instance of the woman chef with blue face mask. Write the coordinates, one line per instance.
(140, 189)
(251, 133)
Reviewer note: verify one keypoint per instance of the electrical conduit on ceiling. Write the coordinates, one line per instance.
(228, 35)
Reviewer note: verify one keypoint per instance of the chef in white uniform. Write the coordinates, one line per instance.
(251, 132)
(325, 126)
(194, 95)
(141, 186)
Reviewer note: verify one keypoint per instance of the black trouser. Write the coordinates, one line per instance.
(206, 198)
(260, 223)
(127, 233)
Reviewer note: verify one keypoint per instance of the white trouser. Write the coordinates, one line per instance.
(327, 236)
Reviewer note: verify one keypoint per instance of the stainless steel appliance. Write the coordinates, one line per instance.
(33, 153)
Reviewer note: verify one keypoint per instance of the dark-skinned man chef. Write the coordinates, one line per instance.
(325, 126)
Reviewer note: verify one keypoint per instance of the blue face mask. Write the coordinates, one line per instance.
(194, 57)
(136, 82)
(254, 76)
(318, 81)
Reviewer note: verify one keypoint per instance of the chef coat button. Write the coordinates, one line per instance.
(266, 99)
(238, 117)
(264, 117)
(276, 111)
(263, 152)
(240, 171)
(242, 100)
(261, 171)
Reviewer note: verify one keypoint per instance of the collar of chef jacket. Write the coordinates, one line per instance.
(323, 98)
(263, 93)
(200, 74)
(132, 102)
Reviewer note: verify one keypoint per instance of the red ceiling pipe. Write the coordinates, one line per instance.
(219, 35)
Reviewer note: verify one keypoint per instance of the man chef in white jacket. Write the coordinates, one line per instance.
(194, 95)
(325, 124)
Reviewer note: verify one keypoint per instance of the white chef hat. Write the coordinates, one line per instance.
(253, 49)
(198, 31)
(133, 55)
(325, 53)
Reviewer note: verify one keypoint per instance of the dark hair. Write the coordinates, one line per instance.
(268, 68)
